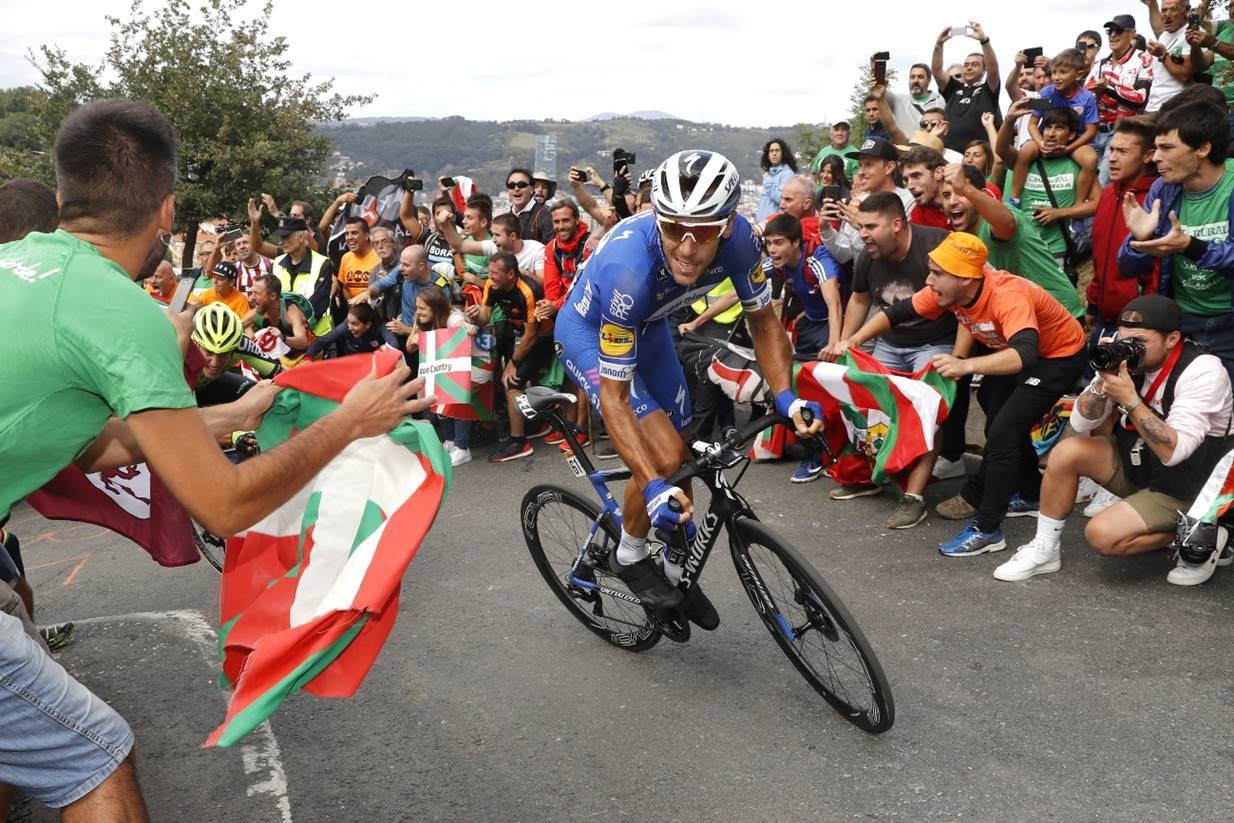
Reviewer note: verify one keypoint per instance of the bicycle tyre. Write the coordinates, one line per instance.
(210, 547)
(840, 665)
(555, 523)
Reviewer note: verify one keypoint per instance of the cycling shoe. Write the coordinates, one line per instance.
(647, 583)
(699, 609)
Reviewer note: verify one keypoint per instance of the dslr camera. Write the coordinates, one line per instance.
(621, 157)
(1108, 356)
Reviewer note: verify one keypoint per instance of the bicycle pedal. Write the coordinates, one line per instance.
(674, 625)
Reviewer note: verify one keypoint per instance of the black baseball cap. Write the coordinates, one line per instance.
(1122, 22)
(874, 147)
(1154, 311)
(288, 225)
(224, 268)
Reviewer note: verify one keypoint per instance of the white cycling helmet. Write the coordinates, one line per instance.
(696, 183)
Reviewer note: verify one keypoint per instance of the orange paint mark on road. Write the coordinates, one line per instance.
(81, 558)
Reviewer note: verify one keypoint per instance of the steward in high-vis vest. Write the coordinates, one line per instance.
(302, 271)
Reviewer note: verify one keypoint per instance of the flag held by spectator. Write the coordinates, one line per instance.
(445, 365)
(130, 501)
(310, 593)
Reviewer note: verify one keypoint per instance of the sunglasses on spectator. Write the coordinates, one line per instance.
(700, 233)
(517, 184)
(1085, 46)
(929, 124)
(1113, 32)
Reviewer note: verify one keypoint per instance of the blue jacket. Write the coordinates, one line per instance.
(773, 185)
(1216, 256)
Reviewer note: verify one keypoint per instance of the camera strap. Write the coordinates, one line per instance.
(1063, 227)
(1166, 369)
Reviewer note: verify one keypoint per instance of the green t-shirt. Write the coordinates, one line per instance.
(1222, 71)
(477, 264)
(1062, 173)
(82, 343)
(850, 165)
(1027, 255)
(1205, 215)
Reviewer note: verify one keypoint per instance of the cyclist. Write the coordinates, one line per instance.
(614, 340)
(219, 333)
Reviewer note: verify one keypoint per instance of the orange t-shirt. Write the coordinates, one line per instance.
(236, 301)
(1007, 305)
(353, 271)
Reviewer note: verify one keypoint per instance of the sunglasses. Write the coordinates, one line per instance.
(929, 124)
(518, 184)
(700, 233)
(1112, 32)
(1086, 46)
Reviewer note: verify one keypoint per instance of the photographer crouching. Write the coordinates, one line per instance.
(1159, 414)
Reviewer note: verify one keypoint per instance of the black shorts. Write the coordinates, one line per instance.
(534, 361)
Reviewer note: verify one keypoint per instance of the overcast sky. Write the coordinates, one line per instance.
(740, 63)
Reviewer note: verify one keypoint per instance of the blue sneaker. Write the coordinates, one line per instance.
(810, 469)
(1019, 507)
(973, 541)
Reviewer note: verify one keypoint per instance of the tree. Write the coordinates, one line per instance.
(246, 124)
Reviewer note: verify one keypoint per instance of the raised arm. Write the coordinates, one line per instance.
(268, 249)
(991, 59)
(327, 219)
(1154, 17)
(1002, 221)
(887, 116)
(941, 78)
(408, 217)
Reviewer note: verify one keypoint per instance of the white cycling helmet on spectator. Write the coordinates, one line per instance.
(696, 183)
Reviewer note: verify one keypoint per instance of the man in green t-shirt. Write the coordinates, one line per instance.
(93, 375)
(1013, 239)
(1185, 222)
(1058, 127)
(840, 132)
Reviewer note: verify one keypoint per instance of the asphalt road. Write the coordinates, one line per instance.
(1098, 693)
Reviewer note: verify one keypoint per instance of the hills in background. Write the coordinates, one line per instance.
(486, 150)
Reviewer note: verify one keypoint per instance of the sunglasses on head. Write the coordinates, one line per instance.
(517, 184)
(700, 233)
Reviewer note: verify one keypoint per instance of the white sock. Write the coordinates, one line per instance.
(917, 497)
(631, 549)
(1049, 530)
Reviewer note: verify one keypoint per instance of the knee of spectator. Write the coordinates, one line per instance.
(1107, 538)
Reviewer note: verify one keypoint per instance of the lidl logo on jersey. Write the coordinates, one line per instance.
(616, 341)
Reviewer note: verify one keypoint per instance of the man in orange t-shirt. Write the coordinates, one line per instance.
(1036, 354)
(224, 290)
(357, 262)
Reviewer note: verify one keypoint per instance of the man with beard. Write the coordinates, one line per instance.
(893, 267)
(920, 167)
(908, 108)
(249, 264)
(533, 216)
(118, 396)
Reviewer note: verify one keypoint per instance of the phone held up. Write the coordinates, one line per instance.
(621, 157)
(880, 67)
(409, 181)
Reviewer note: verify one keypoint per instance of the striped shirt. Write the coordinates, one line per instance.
(1127, 83)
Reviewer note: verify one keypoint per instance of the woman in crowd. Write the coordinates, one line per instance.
(778, 166)
(360, 333)
(433, 312)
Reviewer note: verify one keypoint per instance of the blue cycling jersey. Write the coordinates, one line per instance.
(626, 285)
(806, 280)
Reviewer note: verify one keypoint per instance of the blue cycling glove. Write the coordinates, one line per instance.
(788, 404)
(657, 493)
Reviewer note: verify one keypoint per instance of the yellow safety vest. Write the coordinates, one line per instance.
(725, 317)
(304, 285)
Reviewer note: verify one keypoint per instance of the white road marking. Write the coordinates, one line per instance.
(261, 758)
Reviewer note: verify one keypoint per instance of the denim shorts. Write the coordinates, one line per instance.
(909, 359)
(58, 741)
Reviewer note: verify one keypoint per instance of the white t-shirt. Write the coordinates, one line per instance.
(1201, 407)
(530, 259)
(844, 244)
(1165, 86)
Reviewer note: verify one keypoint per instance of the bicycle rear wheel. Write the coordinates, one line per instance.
(812, 627)
(556, 524)
(211, 547)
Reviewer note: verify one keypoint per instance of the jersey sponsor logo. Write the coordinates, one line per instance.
(616, 341)
(27, 273)
(758, 276)
(620, 304)
(584, 301)
(617, 371)
(1212, 232)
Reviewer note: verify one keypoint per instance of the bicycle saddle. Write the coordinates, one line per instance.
(541, 398)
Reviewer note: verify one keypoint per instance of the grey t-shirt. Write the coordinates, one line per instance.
(888, 283)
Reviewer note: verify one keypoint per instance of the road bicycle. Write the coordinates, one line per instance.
(570, 538)
(210, 546)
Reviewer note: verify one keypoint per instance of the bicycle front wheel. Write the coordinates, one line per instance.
(557, 524)
(211, 547)
(812, 626)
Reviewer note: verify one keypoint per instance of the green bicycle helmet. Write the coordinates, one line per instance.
(217, 329)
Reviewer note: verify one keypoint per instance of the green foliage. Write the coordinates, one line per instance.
(808, 139)
(485, 150)
(246, 124)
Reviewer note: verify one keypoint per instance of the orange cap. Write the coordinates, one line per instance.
(961, 254)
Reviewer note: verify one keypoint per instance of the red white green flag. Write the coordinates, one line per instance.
(310, 593)
(890, 418)
(459, 372)
(1216, 499)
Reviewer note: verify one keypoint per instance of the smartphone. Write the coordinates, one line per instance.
(231, 235)
(180, 297)
(1031, 55)
(412, 185)
(1040, 106)
(884, 56)
(960, 31)
(577, 174)
(831, 192)
(448, 182)
(880, 73)
(1193, 20)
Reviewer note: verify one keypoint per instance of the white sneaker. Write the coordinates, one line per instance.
(1087, 490)
(1033, 558)
(1100, 502)
(1193, 574)
(945, 469)
(459, 456)
(448, 445)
